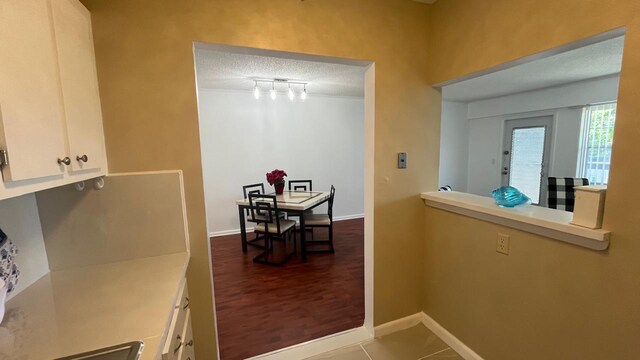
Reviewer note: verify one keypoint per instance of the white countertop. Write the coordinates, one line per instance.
(82, 309)
(539, 220)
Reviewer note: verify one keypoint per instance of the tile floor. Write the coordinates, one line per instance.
(415, 343)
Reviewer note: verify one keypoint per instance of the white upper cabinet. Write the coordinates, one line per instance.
(31, 124)
(50, 115)
(76, 60)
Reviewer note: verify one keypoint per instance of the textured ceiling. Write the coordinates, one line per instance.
(588, 62)
(236, 71)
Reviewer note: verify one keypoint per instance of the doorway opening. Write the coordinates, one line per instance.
(311, 116)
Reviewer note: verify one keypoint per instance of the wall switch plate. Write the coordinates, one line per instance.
(502, 244)
(402, 160)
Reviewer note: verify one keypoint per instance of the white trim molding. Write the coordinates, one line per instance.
(318, 346)
(228, 232)
(358, 335)
(453, 342)
(397, 325)
(348, 217)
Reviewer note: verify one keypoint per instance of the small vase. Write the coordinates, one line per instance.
(279, 188)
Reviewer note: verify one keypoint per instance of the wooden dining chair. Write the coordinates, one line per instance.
(322, 221)
(264, 212)
(300, 185)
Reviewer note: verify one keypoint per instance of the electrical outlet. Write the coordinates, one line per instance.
(502, 244)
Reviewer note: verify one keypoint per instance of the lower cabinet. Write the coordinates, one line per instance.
(186, 350)
(179, 343)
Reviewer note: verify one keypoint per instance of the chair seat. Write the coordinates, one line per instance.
(272, 228)
(317, 220)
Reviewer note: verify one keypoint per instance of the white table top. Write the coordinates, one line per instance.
(295, 200)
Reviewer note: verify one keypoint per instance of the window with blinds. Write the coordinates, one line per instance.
(595, 144)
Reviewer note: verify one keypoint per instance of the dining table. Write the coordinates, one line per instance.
(295, 203)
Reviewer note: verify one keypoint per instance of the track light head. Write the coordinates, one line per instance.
(272, 93)
(256, 91)
(290, 93)
(303, 95)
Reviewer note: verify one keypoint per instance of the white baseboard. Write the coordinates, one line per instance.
(449, 338)
(417, 318)
(397, 325)
(358, 335)
(250, 229)
(228, 232)
(318, 346)
(348, 217)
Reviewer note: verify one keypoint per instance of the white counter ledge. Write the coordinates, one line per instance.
(543, 221)
(82, 309)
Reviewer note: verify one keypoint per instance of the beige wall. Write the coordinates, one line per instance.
(146, 75)
(547, 299)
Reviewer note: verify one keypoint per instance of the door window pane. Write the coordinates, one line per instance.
(597, 140)
(527, 153)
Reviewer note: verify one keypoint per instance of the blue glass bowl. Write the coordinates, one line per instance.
(508, 196)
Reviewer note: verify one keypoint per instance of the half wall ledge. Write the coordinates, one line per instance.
(538, 220)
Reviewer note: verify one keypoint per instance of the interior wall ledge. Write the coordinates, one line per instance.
(551, 223)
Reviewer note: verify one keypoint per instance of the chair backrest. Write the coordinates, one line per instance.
(300, 185)
(252, 189)
(560, 192)
(263, 209)
(330, 206)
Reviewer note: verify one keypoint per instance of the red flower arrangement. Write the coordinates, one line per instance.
(276, 177)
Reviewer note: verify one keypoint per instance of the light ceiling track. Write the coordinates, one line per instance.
(279, 81)
(274, 94)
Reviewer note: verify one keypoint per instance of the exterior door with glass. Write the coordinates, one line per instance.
(526, 156)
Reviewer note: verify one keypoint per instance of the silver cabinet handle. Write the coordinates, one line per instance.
(186, 306)
(65, 161)
(82, 158)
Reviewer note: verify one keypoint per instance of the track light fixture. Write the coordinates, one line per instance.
(273, 92)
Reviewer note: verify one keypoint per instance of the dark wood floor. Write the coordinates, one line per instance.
(261, 308)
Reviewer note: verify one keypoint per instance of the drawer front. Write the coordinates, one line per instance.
(175, 335)
(186, 351)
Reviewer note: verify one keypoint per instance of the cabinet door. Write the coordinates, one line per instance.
(76, 60)
(187, 352)
(31, 127)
